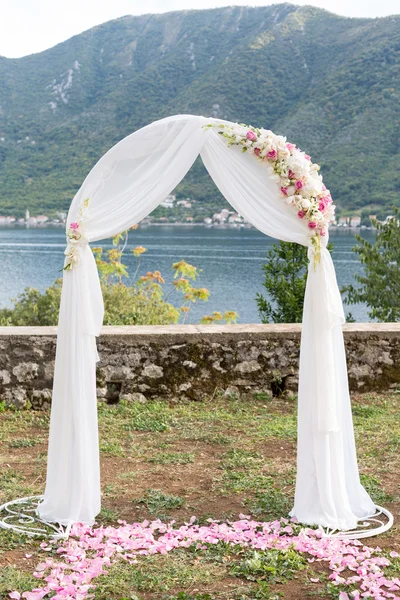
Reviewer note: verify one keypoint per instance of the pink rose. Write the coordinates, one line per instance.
(291, 175)
(322, 232)
(74, 226)
(257, 151)
(301, 214)
(272, 154)
(284, 191)
(312, 225)
(250, 135)
(307, 157)
(326, 200)
(290, 147)
(299, 184)
(321, 205)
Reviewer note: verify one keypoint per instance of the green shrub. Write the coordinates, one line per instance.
(142, 300)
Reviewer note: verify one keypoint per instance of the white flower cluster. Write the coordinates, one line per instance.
(75, 239)
(300, 183)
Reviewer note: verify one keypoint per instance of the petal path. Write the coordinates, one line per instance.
(91, 550)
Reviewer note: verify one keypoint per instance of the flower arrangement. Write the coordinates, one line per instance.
(75, 238)
(300, 184)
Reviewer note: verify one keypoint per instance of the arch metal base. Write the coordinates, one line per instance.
(21, 516)
(378, 523)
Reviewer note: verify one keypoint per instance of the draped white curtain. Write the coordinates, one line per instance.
(124, 187)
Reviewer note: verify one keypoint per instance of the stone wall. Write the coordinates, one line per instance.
(192, 361)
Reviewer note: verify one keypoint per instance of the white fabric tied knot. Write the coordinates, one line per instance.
(76, 238)
(315, 246)
(311, 253)
(73, 251)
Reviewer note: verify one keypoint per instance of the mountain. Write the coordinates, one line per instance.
(329, 83)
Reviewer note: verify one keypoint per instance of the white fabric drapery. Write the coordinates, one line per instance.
(124, 187)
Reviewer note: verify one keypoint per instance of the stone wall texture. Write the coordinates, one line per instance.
(138, 363)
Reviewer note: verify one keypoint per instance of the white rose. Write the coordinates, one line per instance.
(305, 203)
(283, 153)
(298, 165)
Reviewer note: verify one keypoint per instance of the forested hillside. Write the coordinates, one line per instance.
(329, 83)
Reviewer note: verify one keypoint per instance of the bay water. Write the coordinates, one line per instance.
(231, 261)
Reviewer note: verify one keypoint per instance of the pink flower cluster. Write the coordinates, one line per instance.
(75, 238)
(90, 551)
(298, 178)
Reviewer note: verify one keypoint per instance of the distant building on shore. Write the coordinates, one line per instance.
(235, 218)
(185, 203)
(169, 201)
(7, 220)
(355, 221)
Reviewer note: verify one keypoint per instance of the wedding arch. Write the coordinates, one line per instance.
(277, 189)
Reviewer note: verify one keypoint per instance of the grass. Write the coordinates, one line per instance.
(374, 488)
(212, 459)
(149, 417)
(157, 502)
(12, 578)
(274, 566)
(158, 574)
(193, 570)
(172, 458)
(23, 443)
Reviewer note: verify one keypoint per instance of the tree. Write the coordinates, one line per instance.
(34, 308)
(285, 281)
(128, 300)
(379, 286)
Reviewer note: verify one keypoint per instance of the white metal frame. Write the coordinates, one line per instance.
(379, 522)
(21, 516)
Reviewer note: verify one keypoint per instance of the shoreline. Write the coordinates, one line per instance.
(206, 225)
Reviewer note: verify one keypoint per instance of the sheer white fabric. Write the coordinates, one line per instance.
(125, 186)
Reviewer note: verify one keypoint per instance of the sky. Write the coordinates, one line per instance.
(30, 26)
